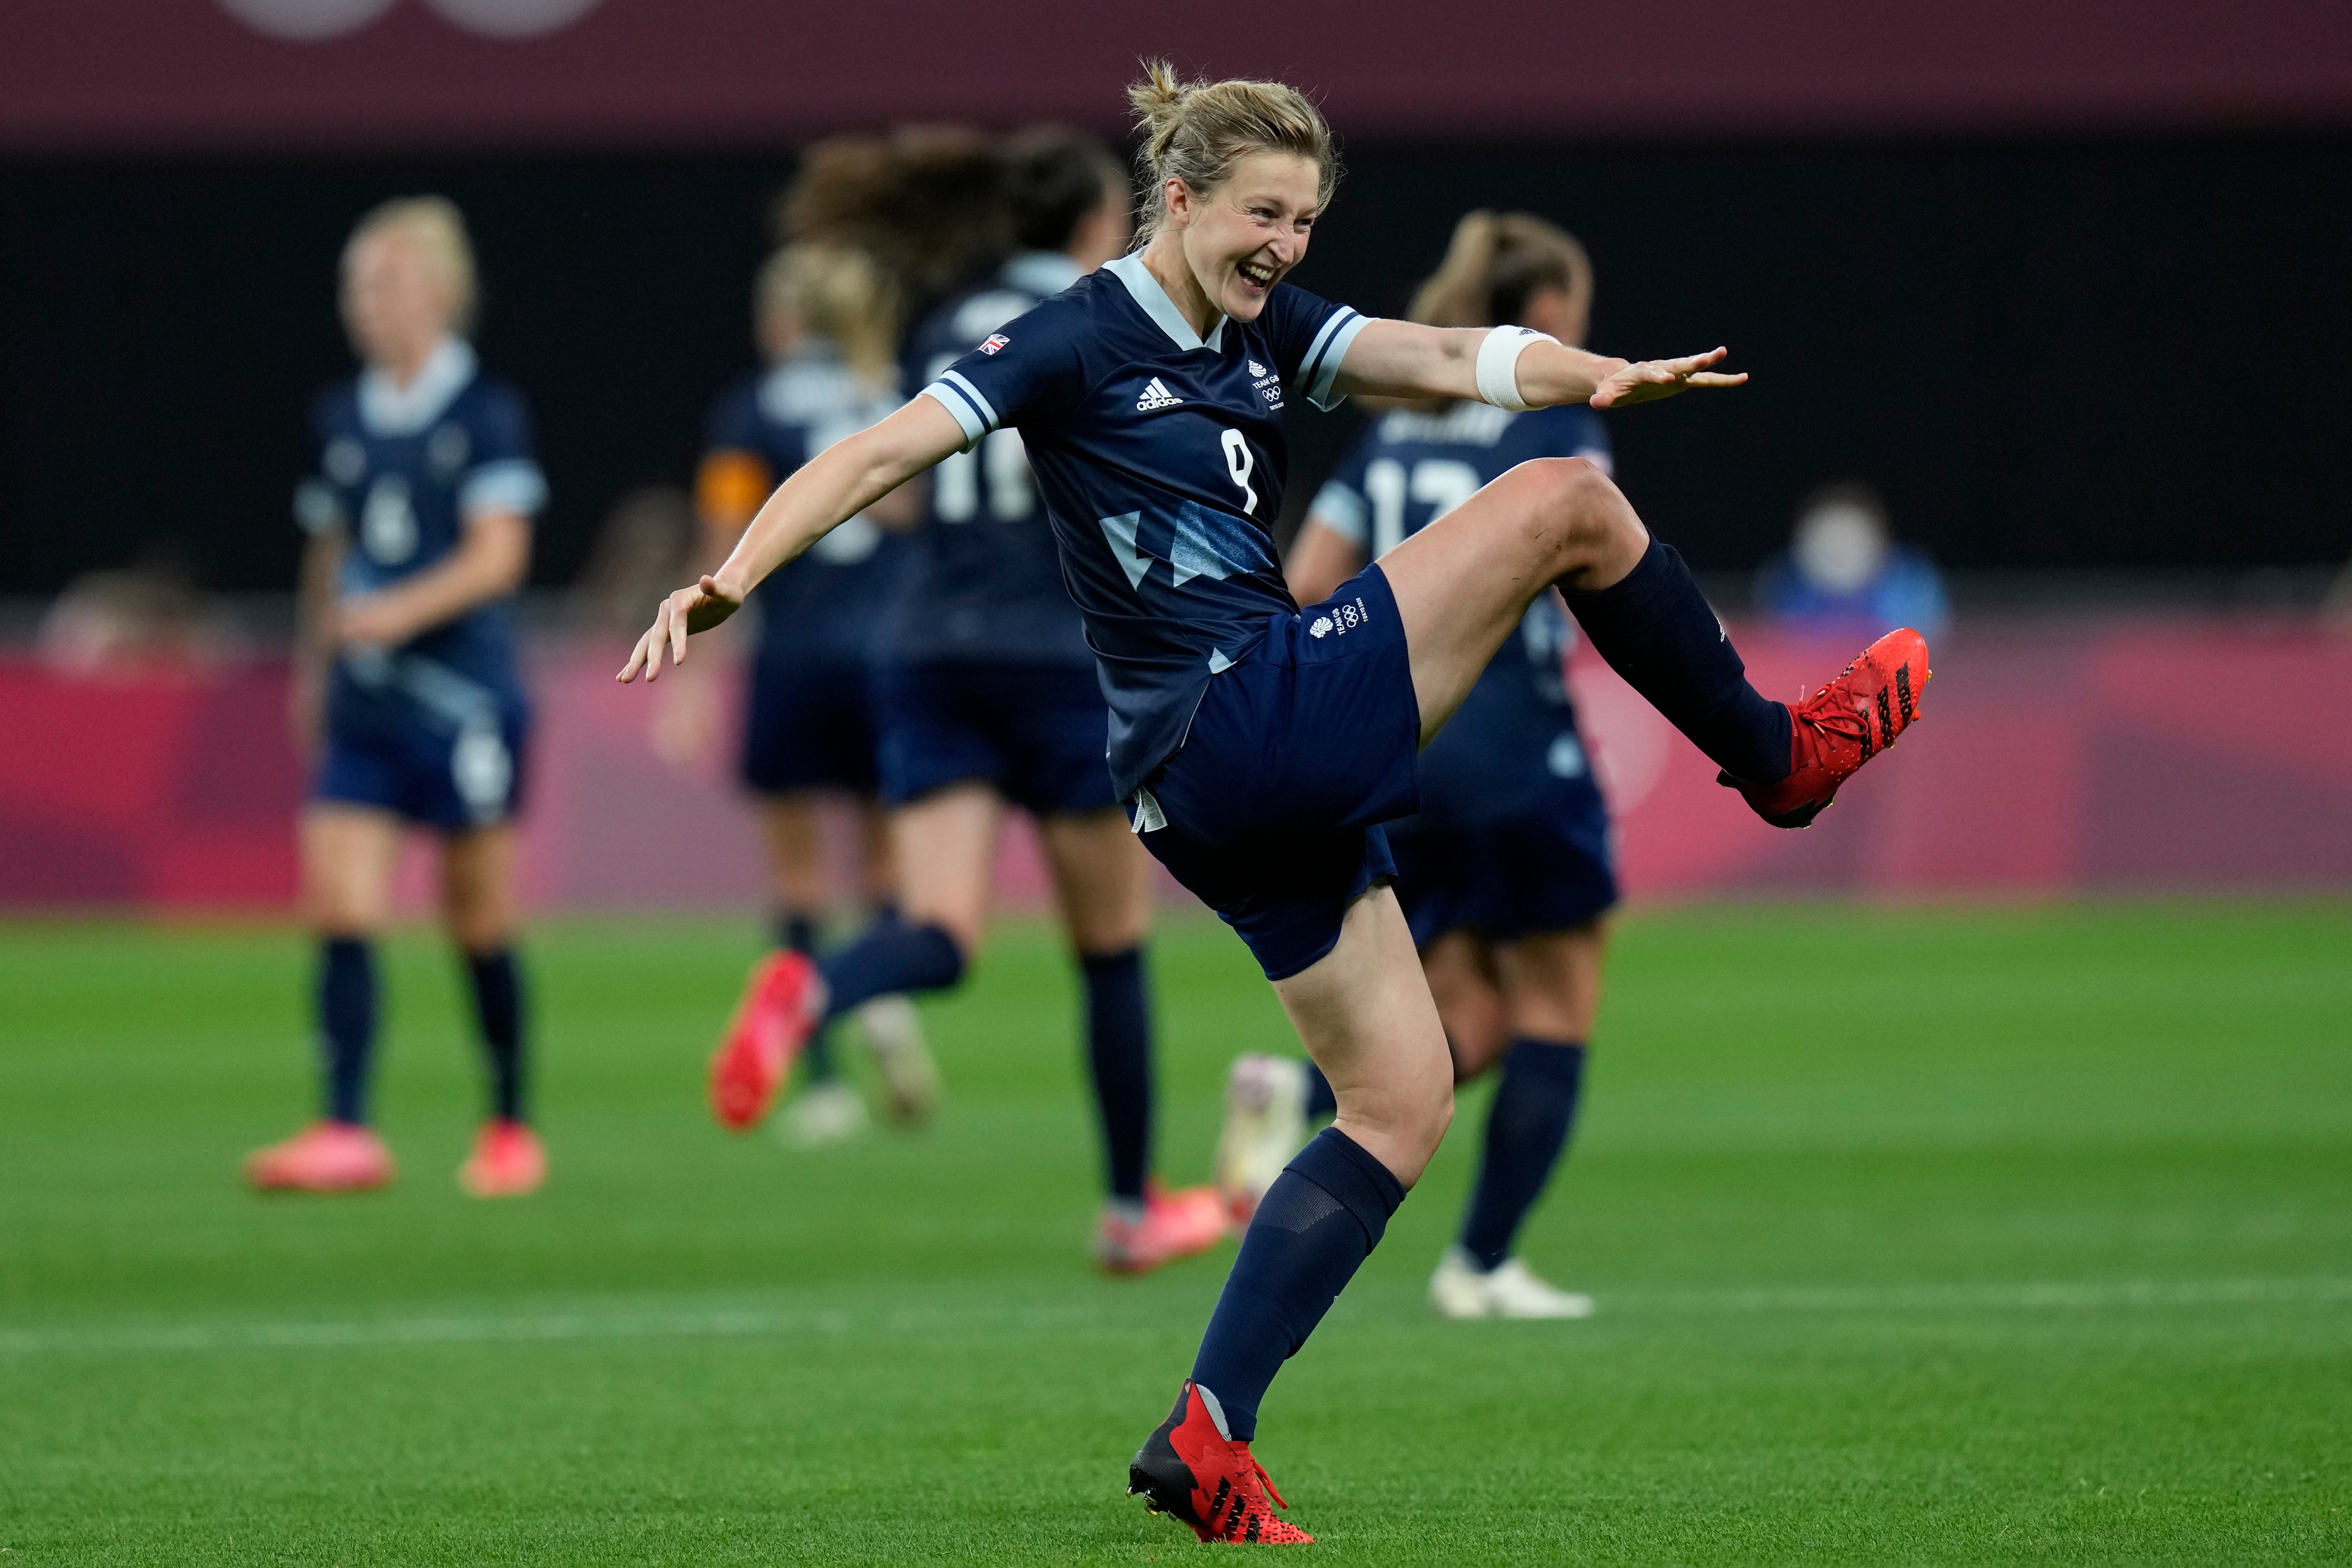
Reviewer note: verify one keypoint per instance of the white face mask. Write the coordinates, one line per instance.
(1839, 547)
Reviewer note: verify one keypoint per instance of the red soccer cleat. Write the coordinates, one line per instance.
(1836, 730)
(508, 1162)
(1175, 1225)
(771, 1023)
(1190, 1470)
(324, 1157)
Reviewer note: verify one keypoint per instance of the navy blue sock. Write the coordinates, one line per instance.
(889, 958)
(1321, 1103)
(497, 1009)
(1119, 1051)
(1656, 630)
(1314, 1227)
(1527, 1128)
(347, 1012)
(797, 932)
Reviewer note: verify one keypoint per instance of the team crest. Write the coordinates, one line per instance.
(995, 341)
(1256, 369)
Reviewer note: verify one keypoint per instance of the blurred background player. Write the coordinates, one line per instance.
(989, 697)
(826, 319)
(1504, 874)
(406, 682)
(1843, 574)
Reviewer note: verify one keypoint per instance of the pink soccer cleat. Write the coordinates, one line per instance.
(771, 1023)
(1175, 1225)
(324, 1157)
(508, 1162)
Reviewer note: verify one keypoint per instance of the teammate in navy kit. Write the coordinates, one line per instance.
(1504, 873)
(988, 698)
(405, 680)
(1262, 745)
(825, 320)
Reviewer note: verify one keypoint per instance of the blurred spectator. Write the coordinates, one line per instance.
(1843, 571)
(149, 616)
(645, 549)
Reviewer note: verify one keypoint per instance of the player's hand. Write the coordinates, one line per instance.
(684, 613)
(372, 620)
(1646, 381)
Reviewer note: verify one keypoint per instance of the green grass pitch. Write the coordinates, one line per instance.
(1921, 1236)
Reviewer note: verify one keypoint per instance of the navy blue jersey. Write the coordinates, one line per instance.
(402, 469)
(1160, 457)
(833, 599)
(986, 583)
(1411, 468)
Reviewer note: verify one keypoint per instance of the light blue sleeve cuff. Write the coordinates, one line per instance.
(513, 484)
(1339, 508)
(317, 507)
(1320, 368)
(969, 405)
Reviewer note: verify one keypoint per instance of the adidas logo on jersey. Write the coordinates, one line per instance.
(1156, 395)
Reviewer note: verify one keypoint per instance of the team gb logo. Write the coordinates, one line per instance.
(1256, 369)
(1322, 626)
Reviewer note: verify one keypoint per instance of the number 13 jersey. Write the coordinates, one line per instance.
(1160, 457)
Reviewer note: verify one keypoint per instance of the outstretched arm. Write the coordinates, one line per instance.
(832, 487)
(1405, 359)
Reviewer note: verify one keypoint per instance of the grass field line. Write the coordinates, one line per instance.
(962, 1319)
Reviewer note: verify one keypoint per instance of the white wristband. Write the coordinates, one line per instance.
(1498, 365)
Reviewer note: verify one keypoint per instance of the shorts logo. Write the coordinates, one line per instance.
(1156, 395)
(995, 341)
(1343, 619)
(1256, 369)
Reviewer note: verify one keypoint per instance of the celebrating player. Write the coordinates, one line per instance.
(827, 321)
(989, 697)
(1504, 874)
(419, 521)
(1262, 745)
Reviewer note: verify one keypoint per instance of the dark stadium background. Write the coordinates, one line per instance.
(2072, 352)
(2065, 279)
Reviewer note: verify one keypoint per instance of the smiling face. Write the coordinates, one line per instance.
(1239, 238)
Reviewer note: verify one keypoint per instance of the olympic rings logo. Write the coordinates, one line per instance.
(315, 21)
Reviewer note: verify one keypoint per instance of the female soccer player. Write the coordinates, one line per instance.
(988, 696)
(1261, 744)
(419, 520)
(1504, 874)
(827, 321)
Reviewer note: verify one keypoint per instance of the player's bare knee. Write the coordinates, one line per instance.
(1573, 509)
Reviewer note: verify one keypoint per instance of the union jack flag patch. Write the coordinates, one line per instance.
(995, 341)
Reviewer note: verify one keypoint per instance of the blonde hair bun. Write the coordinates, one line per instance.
(1195, 132)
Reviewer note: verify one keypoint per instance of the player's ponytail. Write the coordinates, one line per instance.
(1195, 132)
(837, 293)
(925, 201)
(1497, 262)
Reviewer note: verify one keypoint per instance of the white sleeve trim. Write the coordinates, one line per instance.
(317, 507)
(1498, 365)
(1339, 508)
(964, 404)
(512, 484)
(1320, 368)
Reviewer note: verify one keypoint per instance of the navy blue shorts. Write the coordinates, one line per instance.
(450, 777)
(1033, 732)
(1270, 811)
(810, 722)
(1541, 864)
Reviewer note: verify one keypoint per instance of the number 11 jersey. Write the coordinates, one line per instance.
(1161, 458)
